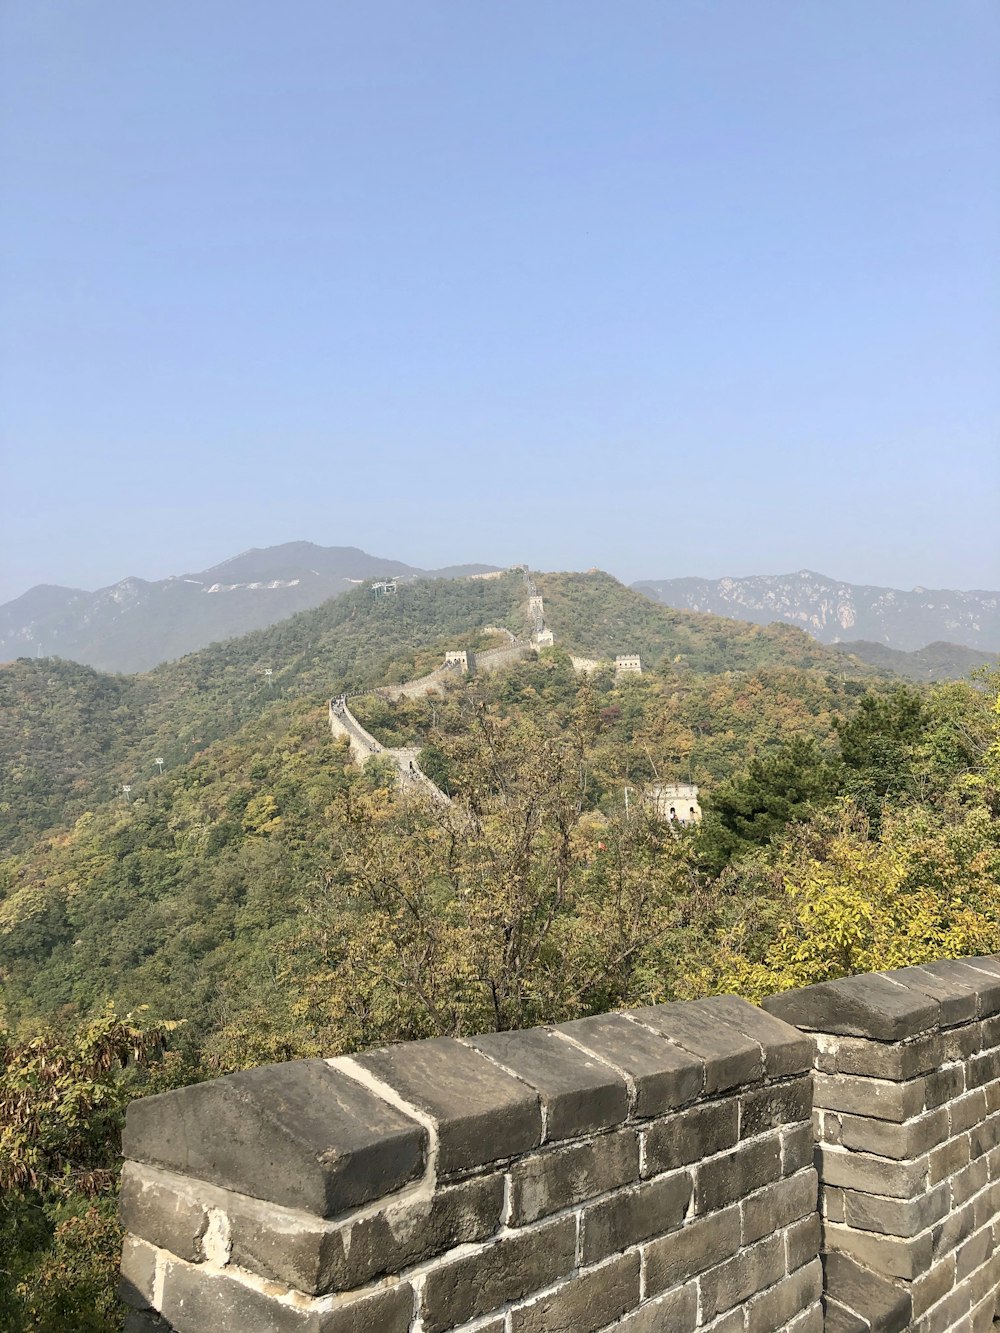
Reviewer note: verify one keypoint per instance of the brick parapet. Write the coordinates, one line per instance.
(907, 1124)
(641, 1171)
(636, 1171)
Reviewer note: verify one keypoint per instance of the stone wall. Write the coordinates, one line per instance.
(907, 1098)
(652, 1171)
(643, 1171)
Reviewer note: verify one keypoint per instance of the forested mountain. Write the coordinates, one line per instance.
(135, 624)
(835, 611)
(274, 900)
(70, 736)
(938, 661)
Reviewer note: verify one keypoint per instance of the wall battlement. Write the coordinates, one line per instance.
(651, 1170)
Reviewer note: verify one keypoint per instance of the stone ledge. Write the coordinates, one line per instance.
(299, 1134)
(896, 1006)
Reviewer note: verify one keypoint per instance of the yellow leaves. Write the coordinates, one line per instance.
(261, 815)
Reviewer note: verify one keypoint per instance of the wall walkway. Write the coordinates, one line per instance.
(831, 1162)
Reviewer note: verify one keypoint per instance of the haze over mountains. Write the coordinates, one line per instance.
(136, 624)
(838, 612)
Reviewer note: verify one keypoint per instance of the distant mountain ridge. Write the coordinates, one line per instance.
(838, 612)
(135, 624)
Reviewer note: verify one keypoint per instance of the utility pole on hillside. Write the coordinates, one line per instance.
(126, 792)
(159, 764)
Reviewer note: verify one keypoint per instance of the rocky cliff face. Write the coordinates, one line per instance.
(836, 612)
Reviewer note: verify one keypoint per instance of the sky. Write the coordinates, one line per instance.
(670, 289)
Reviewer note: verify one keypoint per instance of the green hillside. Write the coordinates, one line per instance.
(938, 661)
(69, 736)
(596, 616)
(273, 900)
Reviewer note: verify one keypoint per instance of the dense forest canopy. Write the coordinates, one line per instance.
(263, 898)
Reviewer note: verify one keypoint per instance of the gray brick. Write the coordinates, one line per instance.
(482, 1114)
(983, 1138)
(964, 1112)
(878, 1059)
(884, 1305)
(969, 1181)
(674, 1312)
(963, 1042)
(735, 1281)
(152, 1207)
(886, 1138)
(691, 1135)
(809, 1321)
(196, 1300)
(802, 1242)
(585, 1303)
(773, 1105)
(785, 1300)
(896, 1217)
(138, 1273)
(723, 1180)
(859, 1171)
(786, 1050)
(374, 1245)
(865, 1006)
(953, 1229)
(973, 1253)
(944, 1085)
(959, 1001)
(798, 1148)
(548, 1181)
(933, 1285)
(634, 1215)
(982, 1069)
(891, 1256)
(730, 1057)
(880, 1099)
(776, 1206)
(948, 1158)
(580, 1093)
(980, 974)
(663, 1075)
(508, 1270)
(699, 1245)
(299, 1134)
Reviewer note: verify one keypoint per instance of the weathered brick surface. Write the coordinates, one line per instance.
(300, 1134)
(482, 1114)
(585, 1303)
(691, 1135)
(549, 1181)
(634, 1215)
(786, 1300)
(671, 1260)
(477, 1283)
(662, 1075)
(733, 1175)
(580, 1094)
(698, 1161)
(730, 1057)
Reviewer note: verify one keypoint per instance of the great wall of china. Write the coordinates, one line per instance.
(363, 745)
(829, 1163)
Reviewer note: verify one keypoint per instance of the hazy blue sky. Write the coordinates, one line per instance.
(669, 288)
